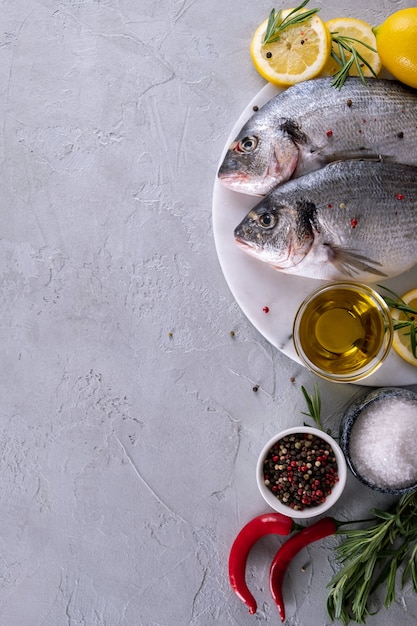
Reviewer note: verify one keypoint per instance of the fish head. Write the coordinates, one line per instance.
(261, 157)
(273, 232)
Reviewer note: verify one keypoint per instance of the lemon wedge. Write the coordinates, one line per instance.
(356, 29)
(299, 54)
(401, 342)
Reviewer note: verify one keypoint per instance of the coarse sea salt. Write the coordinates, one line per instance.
(382, 443)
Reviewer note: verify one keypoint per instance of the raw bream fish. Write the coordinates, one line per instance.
(348, 220)
(313, 124)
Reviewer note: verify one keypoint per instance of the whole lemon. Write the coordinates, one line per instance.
(396, 41)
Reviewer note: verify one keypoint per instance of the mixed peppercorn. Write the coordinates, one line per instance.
(301, 470)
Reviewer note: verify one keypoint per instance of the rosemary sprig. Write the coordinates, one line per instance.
(371, 557)
(395, 302)
(276, 25)
(346, 44)
(314, 405)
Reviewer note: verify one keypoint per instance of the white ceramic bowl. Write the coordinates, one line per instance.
(308, 511)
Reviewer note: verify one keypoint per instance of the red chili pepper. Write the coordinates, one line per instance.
(266, 524)
(323, 528)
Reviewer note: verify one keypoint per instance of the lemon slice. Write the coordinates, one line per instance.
(357, 29)
(401, 342)
(299, 54)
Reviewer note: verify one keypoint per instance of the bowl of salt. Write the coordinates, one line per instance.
(377, 437)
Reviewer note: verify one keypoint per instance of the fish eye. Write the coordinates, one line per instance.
(247, 144)
(267, 220)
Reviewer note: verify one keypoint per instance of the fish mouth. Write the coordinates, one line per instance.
(252, 249)
(293, 258)
(237, 182)
(230, 178)
(244, 183)
(247, 246)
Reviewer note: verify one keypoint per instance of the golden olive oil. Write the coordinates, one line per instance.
(341, 330)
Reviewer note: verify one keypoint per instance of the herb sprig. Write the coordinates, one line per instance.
(275, 25)
(313, 405)
(373, 556)
(395, 302)
(346, 44)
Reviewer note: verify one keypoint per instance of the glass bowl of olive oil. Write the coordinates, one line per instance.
(343, 331)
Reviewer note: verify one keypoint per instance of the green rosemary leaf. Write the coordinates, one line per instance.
(400, 305)
(358, 66)
(359, 609)
(383, 514)
(407, 308)
(396, 296)
(390, 593)
(301, 6)
(370, 566)
(365, 62)
(373, 557)
(335, 606)
(347, 44)
(413, 569)
(358, 57)
(345, 39)
(413, 340)
(382, 575)
(341, 51)
(340, 77)
(399, 325)
(313, 405)
(273, 20)
(275, 25)
(334, 56)
(317, 401)
(308, 400)
(414, 575)
(395, 302)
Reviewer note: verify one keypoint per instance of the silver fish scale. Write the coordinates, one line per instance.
(378, 119)
(313, 124)
(361, 214)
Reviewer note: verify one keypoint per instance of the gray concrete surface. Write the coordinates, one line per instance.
(129, 428)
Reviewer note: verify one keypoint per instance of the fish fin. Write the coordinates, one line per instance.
(315, 158)
(360, 155)
(351, 263)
